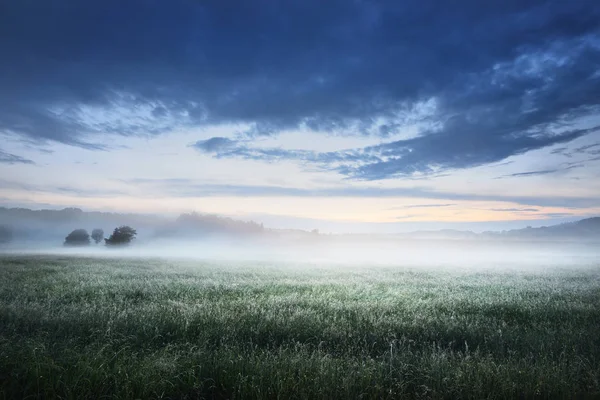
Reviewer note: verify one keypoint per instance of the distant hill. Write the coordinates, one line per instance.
(51, 226)
(22, 225)
(582, 230)
(195, 224)
(585, 229)
(443, 234)
(588, 228)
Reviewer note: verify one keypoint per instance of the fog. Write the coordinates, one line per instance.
(213, 238)
(427, 254)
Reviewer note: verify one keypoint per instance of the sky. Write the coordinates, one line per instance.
(371, 116)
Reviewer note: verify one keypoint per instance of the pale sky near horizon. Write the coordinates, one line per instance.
(380, 117)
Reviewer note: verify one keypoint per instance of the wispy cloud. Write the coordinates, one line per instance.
(585, 149)
(409, 216)
(192, 188)
(7, 158)
(557, 215)
(423, 206)
(515, 209)
(68, 190)
(533, 173)
(562, 151)
(589, 149)
(540, 172)
(400, 158)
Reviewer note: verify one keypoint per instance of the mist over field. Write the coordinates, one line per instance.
(210, 237)
(411, 253)
(216, 239)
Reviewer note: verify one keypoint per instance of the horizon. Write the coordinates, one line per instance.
(382, 117)
(329, 228)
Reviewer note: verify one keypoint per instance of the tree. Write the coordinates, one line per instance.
(122, 235)
(5, 234)
(79, 237)
(97, 235)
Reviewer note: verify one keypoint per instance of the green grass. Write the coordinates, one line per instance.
(138, 328)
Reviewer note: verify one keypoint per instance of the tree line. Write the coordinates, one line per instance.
(122, 235)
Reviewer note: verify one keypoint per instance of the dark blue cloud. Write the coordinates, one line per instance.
(214, 145)
(460, 146)
(505, 77)
(428, 154)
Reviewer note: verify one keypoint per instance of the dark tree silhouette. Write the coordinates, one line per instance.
(79, 237)
(5, 234)
(97, 235)
(122, 235)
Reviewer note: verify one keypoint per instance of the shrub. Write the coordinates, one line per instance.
(79, 237)
(122, 235)
(97, 235)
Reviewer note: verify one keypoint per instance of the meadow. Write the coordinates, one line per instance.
(107, 328)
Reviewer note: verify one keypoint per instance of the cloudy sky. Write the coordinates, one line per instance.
(340, 115)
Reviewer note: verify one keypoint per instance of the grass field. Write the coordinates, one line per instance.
(74, 327)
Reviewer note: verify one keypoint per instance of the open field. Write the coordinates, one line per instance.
(89, 327)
